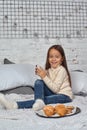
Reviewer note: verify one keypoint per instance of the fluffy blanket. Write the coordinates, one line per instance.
(26, 119)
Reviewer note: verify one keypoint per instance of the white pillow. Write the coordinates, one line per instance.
(14, 75)
(79, 82)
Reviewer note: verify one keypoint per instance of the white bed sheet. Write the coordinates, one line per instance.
(26, 119)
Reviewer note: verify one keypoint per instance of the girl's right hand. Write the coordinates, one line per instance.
(40, 71)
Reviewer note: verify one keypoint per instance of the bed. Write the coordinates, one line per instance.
(27, 119)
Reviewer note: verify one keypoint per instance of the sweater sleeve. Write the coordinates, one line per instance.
(57, 82)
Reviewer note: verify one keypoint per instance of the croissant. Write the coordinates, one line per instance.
(61, 109)
(69, 109)
(49, 110)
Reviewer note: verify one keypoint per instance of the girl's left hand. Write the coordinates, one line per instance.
(40, 72)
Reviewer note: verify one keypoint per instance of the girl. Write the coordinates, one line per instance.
(54, 86)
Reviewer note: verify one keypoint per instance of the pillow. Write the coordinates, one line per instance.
(14, 75)
(79, 82)
(6, 61)
(20, 90)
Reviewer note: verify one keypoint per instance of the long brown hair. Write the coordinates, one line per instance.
(64, 63)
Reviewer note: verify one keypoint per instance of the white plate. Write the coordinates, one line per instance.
(74, 111)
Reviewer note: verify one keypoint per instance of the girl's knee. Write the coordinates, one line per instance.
(38, 82)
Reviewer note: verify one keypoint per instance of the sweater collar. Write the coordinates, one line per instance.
(54, 69)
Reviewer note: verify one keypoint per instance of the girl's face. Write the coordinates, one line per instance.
(55, 58)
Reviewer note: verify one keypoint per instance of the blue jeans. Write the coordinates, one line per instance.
(41, 91)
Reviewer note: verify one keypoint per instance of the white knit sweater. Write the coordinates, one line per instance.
(57, 81)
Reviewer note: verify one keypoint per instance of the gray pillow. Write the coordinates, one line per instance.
(20, 90)
(6, 61)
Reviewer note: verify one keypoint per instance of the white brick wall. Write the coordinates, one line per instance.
(34, 51)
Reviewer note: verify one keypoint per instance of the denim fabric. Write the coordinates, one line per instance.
(25, 104)
(41, 91)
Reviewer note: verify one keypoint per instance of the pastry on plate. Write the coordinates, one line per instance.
(69, 109)
(49, 110)
(61, 110)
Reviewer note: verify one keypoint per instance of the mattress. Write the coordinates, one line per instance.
(26, 119)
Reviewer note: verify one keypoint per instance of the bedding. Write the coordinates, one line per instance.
(7, 61)
(18, 89)
(79, 82)
(26, 119)
(22, 75)
(15, 75)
